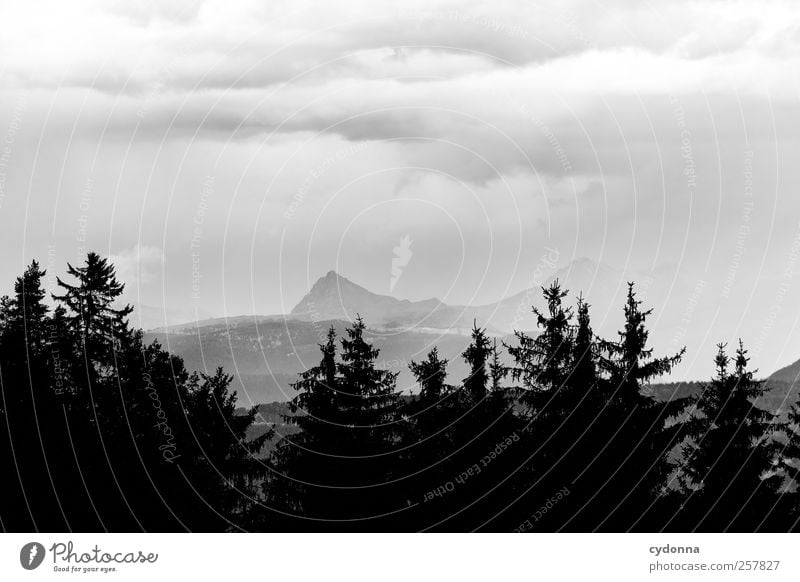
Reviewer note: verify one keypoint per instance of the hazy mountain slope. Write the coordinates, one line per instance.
(596, 280)
(266, 356)
(784, 387)
(336, 297)
(265, 353)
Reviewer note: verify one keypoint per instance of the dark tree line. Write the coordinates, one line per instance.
(101, 432)
(556, 430)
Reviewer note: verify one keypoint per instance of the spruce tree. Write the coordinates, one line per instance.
(642, 431)
(91, 300)
(542, 361)
(340, 470)
(303, 462)
(730, 458)
(431, 375)
(228, 460)
(564, 412)
(790, 463)
(497, 369)
(28, 405)
(477, 355)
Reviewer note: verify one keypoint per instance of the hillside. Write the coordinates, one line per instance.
(265, 356)
(265, 353)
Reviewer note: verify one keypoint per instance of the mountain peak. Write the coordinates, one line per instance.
(336, 297)
(330, 296)
(331, 279)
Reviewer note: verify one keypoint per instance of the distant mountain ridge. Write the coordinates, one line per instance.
(266, 352)
(336, 297)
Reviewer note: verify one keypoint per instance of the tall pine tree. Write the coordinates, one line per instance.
(730, 458)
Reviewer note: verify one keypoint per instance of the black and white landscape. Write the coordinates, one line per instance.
(427, 266)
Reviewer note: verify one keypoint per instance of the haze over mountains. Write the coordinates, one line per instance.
(336, 297)
(266, 352)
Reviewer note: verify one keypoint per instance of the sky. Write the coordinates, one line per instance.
(227, 154)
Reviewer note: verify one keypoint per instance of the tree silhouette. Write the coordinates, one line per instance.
(340, 468)
(729, 458)
(103, 432)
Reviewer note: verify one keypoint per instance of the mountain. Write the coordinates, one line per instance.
(602, 283)
(265, 353)
(784, 387)
(790, 374)
(334, 297)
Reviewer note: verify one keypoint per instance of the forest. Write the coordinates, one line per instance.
(557, 430)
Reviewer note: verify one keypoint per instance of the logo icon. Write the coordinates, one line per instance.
(31, 555)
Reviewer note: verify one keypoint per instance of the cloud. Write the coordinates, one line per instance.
(616, 130)
(139, 265)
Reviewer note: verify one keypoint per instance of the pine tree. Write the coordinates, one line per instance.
(641, 432)
(341, 467)
(28, 403)
(542, 362)
(91, 302)
(497, 370)
(729, 458)
(630, 363)
(368, 401)
(313, 408)
(29, 304)
(431, 375)
(304, 460)
(790, 463)
(228, 460)
(564, 412)
(105, 432)
(475, 425)
(477, 355)
(370, 419)
(583, 357)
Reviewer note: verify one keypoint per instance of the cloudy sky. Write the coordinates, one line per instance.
(228, 153)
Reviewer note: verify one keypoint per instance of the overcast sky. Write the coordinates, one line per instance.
(228, 153)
